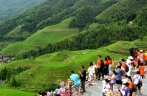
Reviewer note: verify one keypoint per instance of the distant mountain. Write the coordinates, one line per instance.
(100, 22)
(49, 13)
(9, 8)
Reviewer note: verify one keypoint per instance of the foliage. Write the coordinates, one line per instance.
(13, 82)
(8, 75)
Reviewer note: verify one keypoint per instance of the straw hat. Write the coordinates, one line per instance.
(130, 57)
(141, 50)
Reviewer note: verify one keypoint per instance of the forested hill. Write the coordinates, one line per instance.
(48, 13)
(9, 8)
(101, 22)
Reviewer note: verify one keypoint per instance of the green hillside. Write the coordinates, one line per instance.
(49, 13)
(42, 37)
(12, 92)
(9, 8)
(101, 22)
(16, 33)
(61, 35)
(55, 67)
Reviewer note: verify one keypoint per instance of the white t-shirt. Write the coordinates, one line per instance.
(124, 80)
(106, 87)
(91, 70)
(137, 78)
(128, 63)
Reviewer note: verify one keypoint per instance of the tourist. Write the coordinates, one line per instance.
(124, 66)
(131, 85)
(95, 71)
(141, 69)
(126, 90)
(75, 78)
(106, 67)
(109, 60)
(83, 77)
(137, 80)
(140, 56)
(119, 74)
(62, 89)
(124, 80)
(67, 91)
(106, 87)
(129, 63)
(91, 72)
(112, 79)
(136, 62)
(100, 67)
(57, 90)
(120, 64)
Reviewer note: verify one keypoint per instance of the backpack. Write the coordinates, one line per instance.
(139, 82)
(127, 68)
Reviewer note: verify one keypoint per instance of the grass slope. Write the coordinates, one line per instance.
(17, 33)
(56, 67)
(42, 37)
(12, 92)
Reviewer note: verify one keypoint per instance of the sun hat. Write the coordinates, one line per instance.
(130, 57)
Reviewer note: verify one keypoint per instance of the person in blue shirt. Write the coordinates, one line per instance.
(119, 74)
(75, 78)
(126, 90)
(57, 90)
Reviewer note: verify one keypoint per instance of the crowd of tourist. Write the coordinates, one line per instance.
(118, 82)
(120, 77)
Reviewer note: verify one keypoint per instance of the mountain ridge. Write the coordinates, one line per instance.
(101, 27)
(9, 8)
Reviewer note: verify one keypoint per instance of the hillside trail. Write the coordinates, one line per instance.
(95, 90)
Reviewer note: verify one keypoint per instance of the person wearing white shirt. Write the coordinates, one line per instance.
(91, 72)
(129, 63)
(137, 80)
(124, 80)
(94, 74)
(106, 87)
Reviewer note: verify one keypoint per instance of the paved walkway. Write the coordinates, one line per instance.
(95, 90)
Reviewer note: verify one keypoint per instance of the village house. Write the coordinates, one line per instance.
(4, 57)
